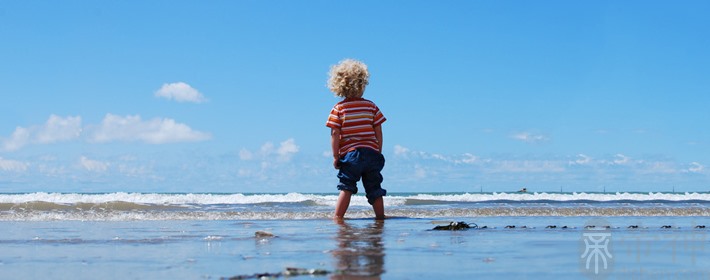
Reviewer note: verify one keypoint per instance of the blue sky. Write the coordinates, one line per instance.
(230, 96)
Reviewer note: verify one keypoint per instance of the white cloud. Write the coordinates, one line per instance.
(419, 172)
(621, 159)
(582, 159)
(440, 157)
(155, 131)
(696, 167)
(93, 165)
(242, 172)
(129, 167)
(13, 165)
(54, 130)
(467, 159)
(112, 128)
(52, 170)
(619, 165)
(406, 153)
(19, 138)
(59, 129)
(180, 92)
(636, 167)
(268, 150)
(245, 154)
(287, 149)
(270, 160)
(528, 137)
(400, 150)
(657, 167)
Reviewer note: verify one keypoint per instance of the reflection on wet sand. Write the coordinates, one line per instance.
(360, 252)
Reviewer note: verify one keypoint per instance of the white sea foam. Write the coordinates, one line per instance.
(331, 199)
(472, 212)
(160, 199)
(564, 197)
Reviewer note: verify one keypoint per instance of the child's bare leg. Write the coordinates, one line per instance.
(379, 207)
(343, 203)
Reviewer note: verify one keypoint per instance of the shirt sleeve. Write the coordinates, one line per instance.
(379, 117)
(334, 120)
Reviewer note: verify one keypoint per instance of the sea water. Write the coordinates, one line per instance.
(213, 236)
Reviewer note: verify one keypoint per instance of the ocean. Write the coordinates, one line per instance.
(251, 236)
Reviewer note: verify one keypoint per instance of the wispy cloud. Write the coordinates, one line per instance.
(93, 165)
(19, 138)
(400, 151)
(695, 168)
(112, 128)
(287, 149)
(635, 166)
(59, 129)
(620, 159)
(13, 165)
(270, 157)
(245, 154)
(581, 169)
(268, 151)
(180, 92)
(528, 137)
(420, 172)
(56, 129)
(154, 131)
(465, 158)
(581, 159)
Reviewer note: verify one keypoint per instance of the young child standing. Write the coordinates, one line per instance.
(356, 137)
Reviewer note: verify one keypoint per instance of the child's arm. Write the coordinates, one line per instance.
(335, 146)
(378, 135)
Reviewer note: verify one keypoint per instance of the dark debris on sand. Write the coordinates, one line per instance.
(455, 226)
(289, 272)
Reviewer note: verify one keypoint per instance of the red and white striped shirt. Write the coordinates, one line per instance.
(356, 118)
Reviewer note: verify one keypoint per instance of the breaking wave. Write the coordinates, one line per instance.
(194, 206)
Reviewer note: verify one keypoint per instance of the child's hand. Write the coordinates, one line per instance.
(336, 163)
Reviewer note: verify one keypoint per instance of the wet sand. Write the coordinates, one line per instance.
(400, 248)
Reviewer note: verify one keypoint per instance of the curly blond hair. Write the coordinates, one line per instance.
(348, 78)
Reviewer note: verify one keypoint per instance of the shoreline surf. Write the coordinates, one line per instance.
(237, 206)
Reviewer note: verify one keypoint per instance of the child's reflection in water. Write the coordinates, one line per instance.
(360, 253)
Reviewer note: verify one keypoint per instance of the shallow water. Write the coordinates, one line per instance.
(401, 248)
(212, 236)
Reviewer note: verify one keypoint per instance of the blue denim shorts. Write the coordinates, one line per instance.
(362, 163)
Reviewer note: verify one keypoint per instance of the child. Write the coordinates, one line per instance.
(356, 137)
